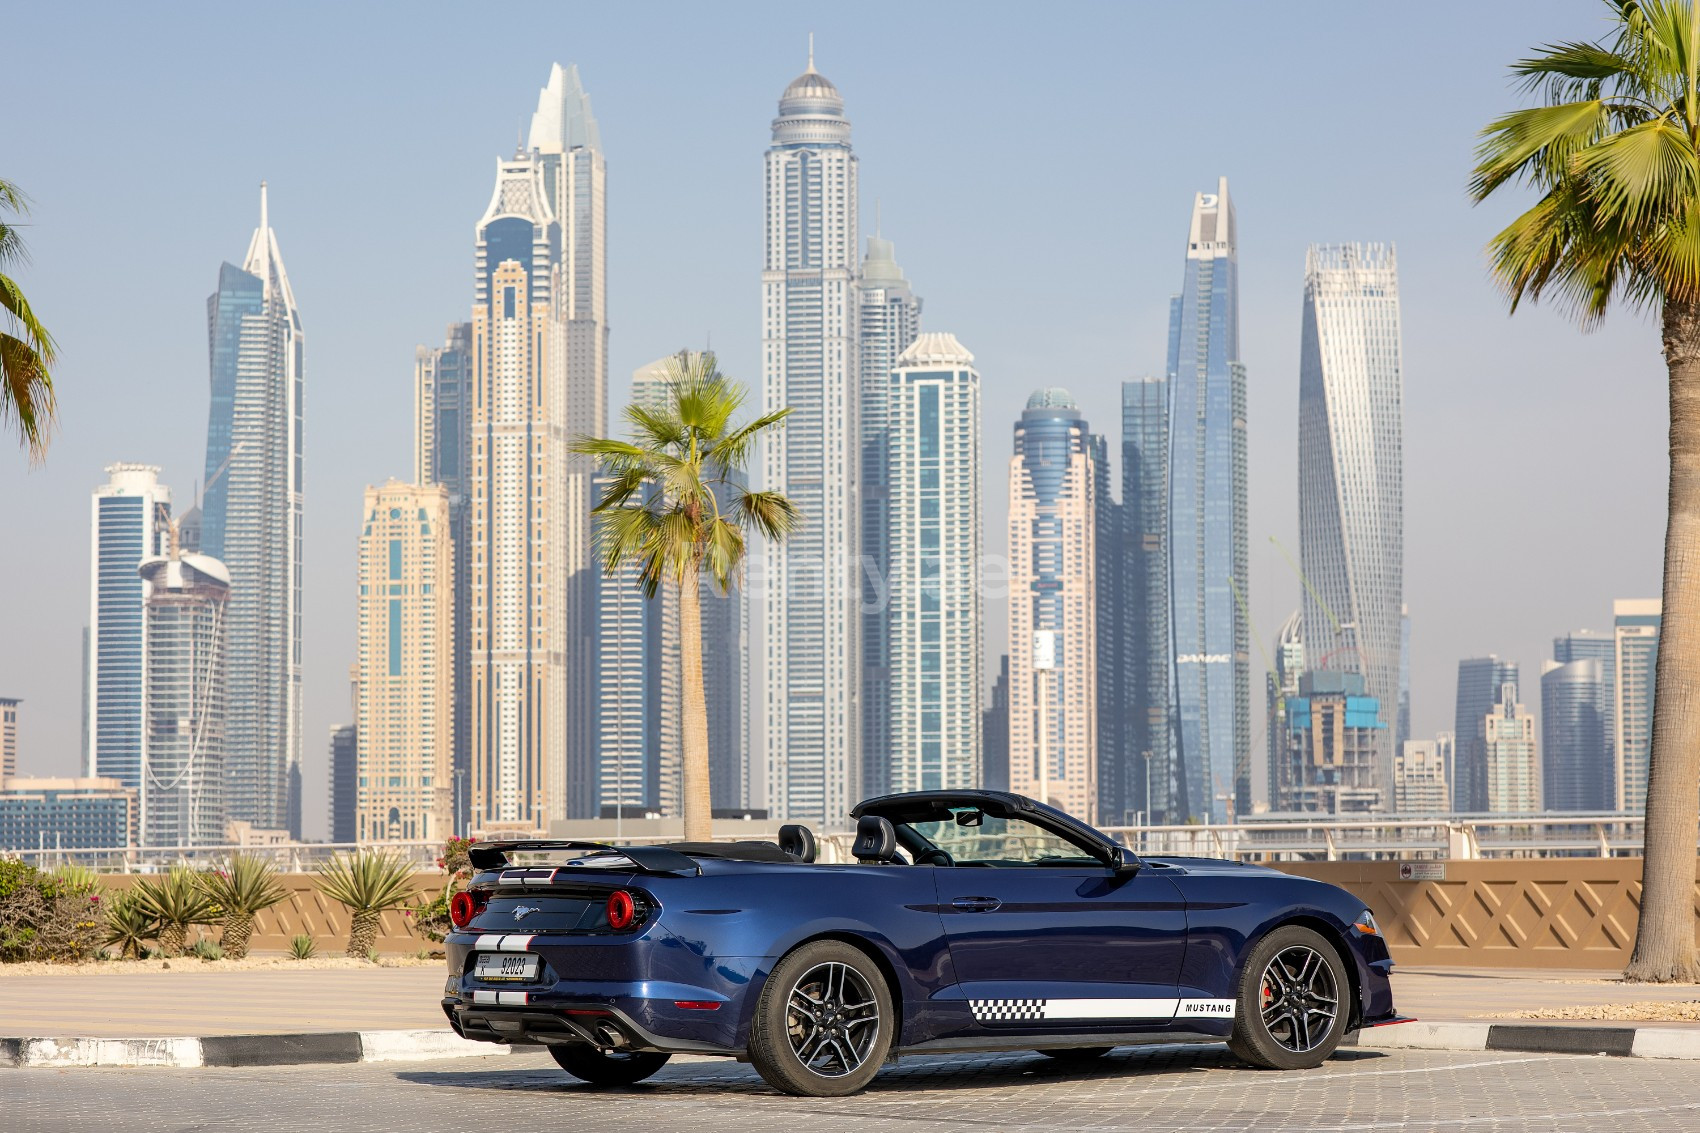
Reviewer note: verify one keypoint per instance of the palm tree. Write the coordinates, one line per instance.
(176, 903)
(26, 349)
(676, 508)
(1614, 152)
(247, 885)
(368, 884)
(129, 925)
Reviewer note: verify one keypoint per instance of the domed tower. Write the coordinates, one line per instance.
(810, 364)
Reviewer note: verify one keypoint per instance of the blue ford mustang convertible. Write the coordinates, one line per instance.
(971, 921)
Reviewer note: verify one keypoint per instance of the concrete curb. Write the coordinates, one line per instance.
(1534, 1038)
(243, 1050)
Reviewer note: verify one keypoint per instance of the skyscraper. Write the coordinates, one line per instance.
(1351, 473)
(1207, 518)
(251, 521)
(811, 621)
(1511, 757)
(994, 732)
(568, 146)
(404, 722)
(131, 521)
(629, 708)
(1119, 781)
(1145, 508)
(1332, 732)
(1480, 681)
(1419, 779)
(1053, 681)
(519, 435)
(1281, 686)
(1402, 729)
(345, 779)
(889, 318)
(1636, 632)
(1576, 768)
(935, 622)
(442, 401)
(8, 736)
(182, 794)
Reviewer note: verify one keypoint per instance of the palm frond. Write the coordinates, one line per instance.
(733, 451)
(723, 553)
(1641, 173)
(658, 428)
(1535, 142)
(770, 513)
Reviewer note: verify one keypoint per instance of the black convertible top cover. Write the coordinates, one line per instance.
(733, 851)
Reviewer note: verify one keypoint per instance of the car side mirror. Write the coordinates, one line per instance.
(1124, 862)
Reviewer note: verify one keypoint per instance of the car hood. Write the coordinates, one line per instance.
(1210, 865)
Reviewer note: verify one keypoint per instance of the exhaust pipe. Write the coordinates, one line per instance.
(610, 1036)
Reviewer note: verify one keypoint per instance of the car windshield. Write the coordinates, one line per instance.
(972, 837)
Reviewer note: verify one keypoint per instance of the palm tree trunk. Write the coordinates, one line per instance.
(173, 938)
(238, 928)
(699, 814)
(362, 934)
(1664, 942)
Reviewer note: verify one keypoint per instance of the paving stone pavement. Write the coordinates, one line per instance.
(1149, 1090)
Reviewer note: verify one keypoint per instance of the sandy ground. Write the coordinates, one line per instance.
(321, 963)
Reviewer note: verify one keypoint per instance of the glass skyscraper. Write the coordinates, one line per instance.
(131, 521)
(1351, 475)
(1207, 519)
(1145, 509)
(935, 625)
(889, 317)
(1576, 768)
(811, 617)
(1482, 681)
(1636, 624)
(251, 521)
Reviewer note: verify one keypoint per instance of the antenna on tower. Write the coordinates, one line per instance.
(262, 206)
(811, 51)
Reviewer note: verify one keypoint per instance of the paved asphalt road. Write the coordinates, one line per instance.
(1150, 1090)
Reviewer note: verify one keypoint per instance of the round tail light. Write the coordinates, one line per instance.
(462, 908)
(622, 910)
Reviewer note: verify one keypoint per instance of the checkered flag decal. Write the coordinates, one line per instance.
(1007, 1010)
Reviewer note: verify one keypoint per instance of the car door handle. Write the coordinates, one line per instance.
(976, 904)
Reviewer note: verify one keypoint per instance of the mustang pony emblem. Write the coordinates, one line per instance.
(523, 911)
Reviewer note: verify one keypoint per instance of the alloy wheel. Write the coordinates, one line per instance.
(1299, 998)
(832, 1019)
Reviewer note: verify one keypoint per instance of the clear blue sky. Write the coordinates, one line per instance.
(1036, 165)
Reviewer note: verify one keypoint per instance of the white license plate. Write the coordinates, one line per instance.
(507, 966)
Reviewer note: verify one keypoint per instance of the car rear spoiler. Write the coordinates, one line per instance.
(648, 859)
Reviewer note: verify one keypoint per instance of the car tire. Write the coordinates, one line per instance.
(1078, 1053)
(607, 1067)
(824, 1022)
(1294, 1001)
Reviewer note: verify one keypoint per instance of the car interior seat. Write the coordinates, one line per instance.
(798, 841)
(876, 840)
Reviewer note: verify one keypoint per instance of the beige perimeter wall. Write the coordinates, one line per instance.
(1520, 913)
(1524, 913)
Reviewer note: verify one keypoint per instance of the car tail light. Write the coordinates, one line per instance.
(464, 906)
(622, 910)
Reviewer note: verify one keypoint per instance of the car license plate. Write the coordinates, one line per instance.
(507, 966)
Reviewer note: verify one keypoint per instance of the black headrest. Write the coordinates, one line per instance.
(797, 841)
(876, 839)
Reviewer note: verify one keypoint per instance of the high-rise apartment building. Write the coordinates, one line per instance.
(8, 736)
(810, 363)
(935, 623)
(568, 147)
(1402, 729)
(889, 318)
(1511, 756)
(1155, 786)
(186, 722)
(1208, 557)
(994, 732)
(1053, 631)
(131, 521)
(1480, 680)
(629, 708)
(1119, 781)
(404, 723)
(1333, 731)
(251, 522)
(442, 401)
(345, 783)
(67, 814)
(1351, 472)
(1636, 634)
(1419, 779)
(1576, 765)
(517, 524)
(1281, 685)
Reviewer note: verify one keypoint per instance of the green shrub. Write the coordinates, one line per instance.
(129, 925)
(301, 947)
(244, 887)
(178, 903)
(50, 917)
(431, 920)
(207, 950)
(366, 884)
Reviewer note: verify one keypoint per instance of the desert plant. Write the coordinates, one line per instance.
(177, 902)
(245, 886)
(129, 925)
(43, 917)
(431, 920)
(676, 509)
(1614, 152)
(301, 947)
(207, 950)
(367, 884)
(76, 880)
